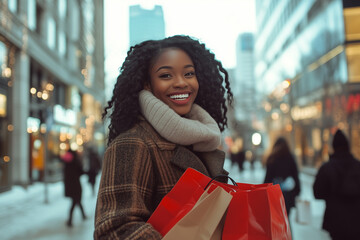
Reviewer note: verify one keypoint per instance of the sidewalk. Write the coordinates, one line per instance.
(24, 215)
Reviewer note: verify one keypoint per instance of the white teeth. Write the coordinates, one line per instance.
(180, 96)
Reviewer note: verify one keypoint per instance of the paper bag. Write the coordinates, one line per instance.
(202, 222)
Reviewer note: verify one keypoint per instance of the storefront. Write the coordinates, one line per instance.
(61, 117)
(49, 140)
(5, 116)
(343, 111)
(5, 127)
(316, 123)
(307, 124)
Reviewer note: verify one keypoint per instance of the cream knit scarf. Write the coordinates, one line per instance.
(198, 128)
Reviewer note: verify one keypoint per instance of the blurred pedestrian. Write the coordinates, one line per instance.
(338, 183)
(237, 153)
(94, 167)
(167, 112)
(72, 172)
(281, 168)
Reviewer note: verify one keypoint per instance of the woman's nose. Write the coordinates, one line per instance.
(180, 82)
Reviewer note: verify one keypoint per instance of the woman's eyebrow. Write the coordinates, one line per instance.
(169, 67)
(163, 67)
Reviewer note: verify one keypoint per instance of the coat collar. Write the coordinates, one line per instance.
(214, 161)
(208, 163)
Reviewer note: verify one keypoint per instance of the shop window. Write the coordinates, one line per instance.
(59, 94)
(353, 59)
(35, 85)
(3, 101)
(352, 23)
(5, 70)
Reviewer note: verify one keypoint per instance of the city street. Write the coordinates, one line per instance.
(24, 215)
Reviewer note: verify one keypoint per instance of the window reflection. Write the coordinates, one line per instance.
(13, 5)
(62, 43)
(51, 33)
(62, 5)
(32, 14)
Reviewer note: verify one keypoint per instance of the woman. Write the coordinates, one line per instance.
(72, 172)
(281, 169)
(94, 167)
(166, 114)
(338, 183)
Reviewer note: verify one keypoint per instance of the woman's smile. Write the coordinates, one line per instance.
(180, 98)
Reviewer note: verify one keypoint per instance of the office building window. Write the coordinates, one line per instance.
(62, 6)
(51, 33)
(75, 22)
(39, 19)
(32, 14)
(62, 44)
(13, 5)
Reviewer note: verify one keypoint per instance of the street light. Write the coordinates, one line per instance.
(256, 138)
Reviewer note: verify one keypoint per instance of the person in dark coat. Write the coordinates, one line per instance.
(238, 158)
(94, 167)
(237, 153)
(72, 172)
(281, 168)
(338, 183)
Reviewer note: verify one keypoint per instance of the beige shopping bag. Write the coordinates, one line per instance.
(203, 221)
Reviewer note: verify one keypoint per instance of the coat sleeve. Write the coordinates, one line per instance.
(322, 184)
(125, 193)
(295, 175)
(269, 175)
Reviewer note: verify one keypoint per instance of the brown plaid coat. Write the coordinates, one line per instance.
(139, 169)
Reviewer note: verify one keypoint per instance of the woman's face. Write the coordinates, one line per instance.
(173, 80)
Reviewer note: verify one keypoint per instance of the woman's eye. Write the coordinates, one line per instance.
(165, 75)
(189, 74)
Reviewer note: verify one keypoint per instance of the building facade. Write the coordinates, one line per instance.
(51, 86)
(306, 58)
(146, 24)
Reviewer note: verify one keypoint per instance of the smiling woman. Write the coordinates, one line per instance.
(173, 80)
(167, 112)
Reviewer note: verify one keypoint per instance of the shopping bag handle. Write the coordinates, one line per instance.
(218, 176)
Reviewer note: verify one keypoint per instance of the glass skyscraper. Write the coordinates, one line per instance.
(146, 24)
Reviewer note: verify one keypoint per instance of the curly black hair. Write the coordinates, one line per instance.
(124, 108)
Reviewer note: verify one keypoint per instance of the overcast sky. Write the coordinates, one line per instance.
(217, 23)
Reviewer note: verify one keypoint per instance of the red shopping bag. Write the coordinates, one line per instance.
(257, 212)
(179, 201)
